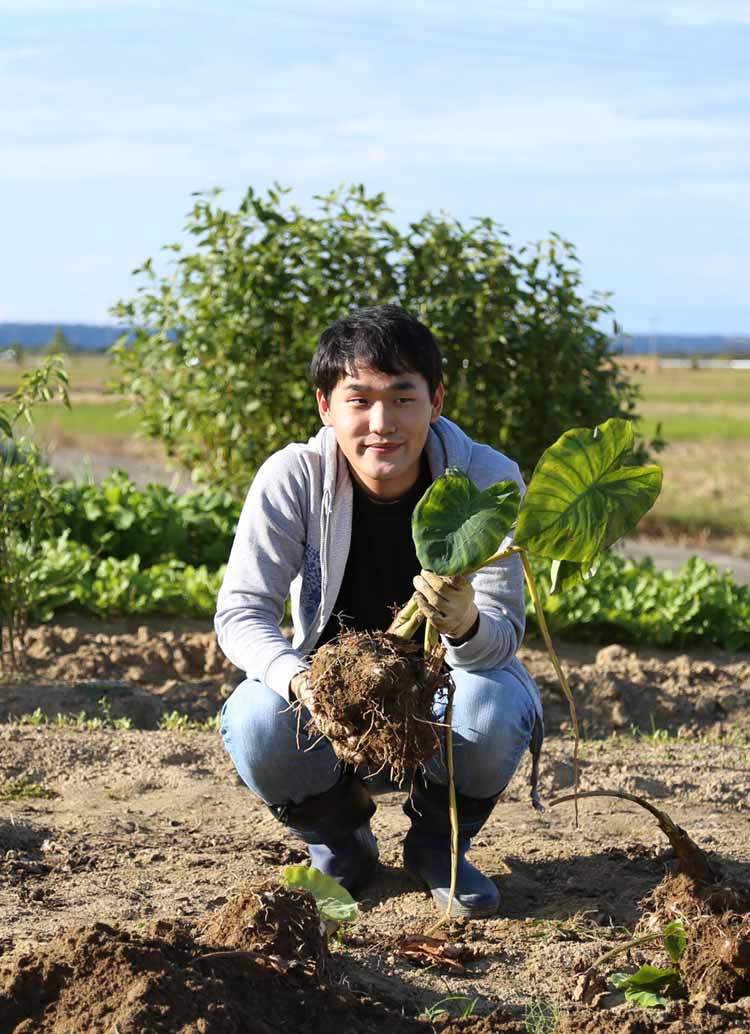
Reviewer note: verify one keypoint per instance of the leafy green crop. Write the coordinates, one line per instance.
(69, 574)
(625, 600)
(457, 528)
(118, 519)
(583, 495)
(650, 985)
(632, 602)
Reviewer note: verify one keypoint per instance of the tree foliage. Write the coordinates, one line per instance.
(26, 503)
(216, 351)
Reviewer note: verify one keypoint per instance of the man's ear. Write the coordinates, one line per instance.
(437, 403)
(324, 409)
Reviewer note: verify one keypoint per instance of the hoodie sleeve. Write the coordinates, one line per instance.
(266, 556)
(498, 589)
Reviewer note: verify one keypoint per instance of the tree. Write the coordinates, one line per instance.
(220, 347)
(59, 343)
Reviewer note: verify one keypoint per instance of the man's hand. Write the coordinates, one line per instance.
(344, 739)
(448, 602)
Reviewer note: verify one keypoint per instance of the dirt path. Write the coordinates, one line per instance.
(149, 823)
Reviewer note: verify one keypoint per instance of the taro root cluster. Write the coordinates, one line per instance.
(384, 687)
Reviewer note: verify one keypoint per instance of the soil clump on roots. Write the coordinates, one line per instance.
(716, 964)
(382, 686)
(277, 920)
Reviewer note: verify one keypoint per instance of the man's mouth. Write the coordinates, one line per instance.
(384, 447)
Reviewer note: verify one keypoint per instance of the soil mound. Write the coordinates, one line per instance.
(178, 665)
(146, 654)
(680, 1018)
(98, 979)
(621, 688)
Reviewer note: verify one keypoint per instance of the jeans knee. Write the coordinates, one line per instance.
(493, 719)
(253, 722)
(494, 706)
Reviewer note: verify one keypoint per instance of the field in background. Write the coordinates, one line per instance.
(704, 416)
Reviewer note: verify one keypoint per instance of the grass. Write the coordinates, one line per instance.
(172, 721)
(24, 789)
(542, 1016)
(708, 421)
(463, 1011)
(86, 419)
(87, 372)
(705, 419)
(705, 495)
(681, 387)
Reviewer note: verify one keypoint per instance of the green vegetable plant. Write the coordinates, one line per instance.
(651, 985)
(582, 497)
(335, 903)
(25, 504)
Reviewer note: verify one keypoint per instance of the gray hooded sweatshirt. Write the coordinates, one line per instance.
(293, 536)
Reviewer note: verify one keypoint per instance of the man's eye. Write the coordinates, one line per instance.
(405, 400)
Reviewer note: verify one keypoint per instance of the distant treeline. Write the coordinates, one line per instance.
(730, 345)
(97, 338)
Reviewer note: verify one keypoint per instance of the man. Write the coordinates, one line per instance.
(330, 521)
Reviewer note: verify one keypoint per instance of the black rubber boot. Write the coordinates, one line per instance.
(335, 825)
(427, 852)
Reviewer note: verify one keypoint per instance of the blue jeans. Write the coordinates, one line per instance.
(493, 719)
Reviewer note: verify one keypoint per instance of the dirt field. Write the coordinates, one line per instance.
(147, 833)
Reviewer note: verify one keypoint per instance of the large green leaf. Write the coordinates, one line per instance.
(334, 901)
(649, 986)
(456, 527)
(581, 497)
(565, 574)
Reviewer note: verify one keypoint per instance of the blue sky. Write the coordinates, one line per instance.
(624, 126)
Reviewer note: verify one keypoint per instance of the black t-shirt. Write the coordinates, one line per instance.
(382, 561)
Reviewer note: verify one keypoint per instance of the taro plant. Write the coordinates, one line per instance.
(582, 497)
(25, 503)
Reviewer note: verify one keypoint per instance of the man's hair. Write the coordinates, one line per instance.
(384, 338)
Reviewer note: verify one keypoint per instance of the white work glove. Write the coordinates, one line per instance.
(343, 738)
(448, 601)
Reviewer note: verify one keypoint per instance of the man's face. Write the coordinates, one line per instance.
(381, 422)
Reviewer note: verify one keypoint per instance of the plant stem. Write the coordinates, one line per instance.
(493, 559)
(542, 621)
(691, 859)
(407, 621)
(645, 939)
(431, 637)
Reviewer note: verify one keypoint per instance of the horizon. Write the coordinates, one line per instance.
(51, 326)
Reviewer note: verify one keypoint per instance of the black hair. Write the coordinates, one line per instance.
(383, 337)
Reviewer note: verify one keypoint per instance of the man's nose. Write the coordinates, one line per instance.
(381, 418)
